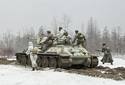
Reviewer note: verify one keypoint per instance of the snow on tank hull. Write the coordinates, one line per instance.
(73, 55)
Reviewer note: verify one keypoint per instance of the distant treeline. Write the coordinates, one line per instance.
(11, 43)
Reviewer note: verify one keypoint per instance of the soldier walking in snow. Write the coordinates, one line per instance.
(107, 58)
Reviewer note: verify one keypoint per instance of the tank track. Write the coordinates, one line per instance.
(51, 60)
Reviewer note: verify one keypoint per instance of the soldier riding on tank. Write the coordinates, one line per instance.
(48, 42)
(79, 39)
(60, 33)
(76, 35)
(66, 38)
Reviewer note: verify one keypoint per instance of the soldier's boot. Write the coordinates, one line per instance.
(102, 61)
(33, 69)
(111, 63)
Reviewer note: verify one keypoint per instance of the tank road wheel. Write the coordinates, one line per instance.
(39, 59)
(44, 61)
(94, 61)
(52, 62)
(28, 60)
(59, 62)
(24, 60)
(18, 58)
(21, 58)
(64, 62)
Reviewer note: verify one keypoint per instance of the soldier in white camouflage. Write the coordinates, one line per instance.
(60, 33)
(76, 36)
(32, 52)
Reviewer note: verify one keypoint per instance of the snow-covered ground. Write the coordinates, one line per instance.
(19, 75)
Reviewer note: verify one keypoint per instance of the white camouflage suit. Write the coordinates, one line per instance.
(33, 57)
(60, 34)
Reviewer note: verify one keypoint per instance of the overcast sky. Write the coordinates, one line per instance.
(21, 14)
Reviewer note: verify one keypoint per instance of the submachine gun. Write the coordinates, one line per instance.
(99, 51)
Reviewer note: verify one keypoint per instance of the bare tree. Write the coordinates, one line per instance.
(106, 36)
(82, 28)
(21, 41)
(8, 40)
(123, 44)
(116, 40)
(55, 25)
(41, 31)
(93, 36)
(66, 22)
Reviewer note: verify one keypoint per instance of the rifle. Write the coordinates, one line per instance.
(99, 52)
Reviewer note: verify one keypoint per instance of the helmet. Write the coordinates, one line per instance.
(76, 31)
(103, 44)
(48, 31)
(60, 28)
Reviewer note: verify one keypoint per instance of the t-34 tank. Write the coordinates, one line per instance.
(61, 56)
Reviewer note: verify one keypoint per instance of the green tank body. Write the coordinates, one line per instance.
(60, 55)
